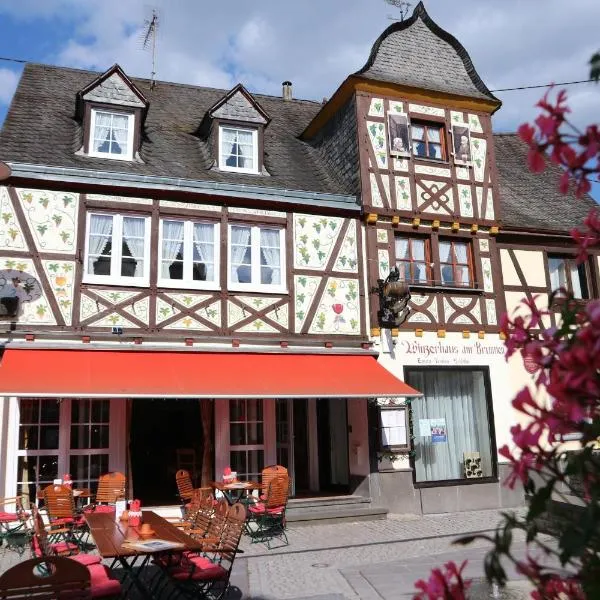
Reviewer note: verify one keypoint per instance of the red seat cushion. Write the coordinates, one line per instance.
(6, 517)
(87, 559)
(62, 547)
(198, 568)
(101, 583)
(100, 508)
(260, 509)
(77, 521)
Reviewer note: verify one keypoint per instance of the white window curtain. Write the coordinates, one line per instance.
(204, 244)
(100, 231)
(456, 402)
(102, 129)
(402, 248)
(462, 275)
(270, 253)
(575, 280)
(240, 243)
(120, 125)
(172, 245)
(134, 230)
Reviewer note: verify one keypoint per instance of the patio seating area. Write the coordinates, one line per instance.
(94, 546)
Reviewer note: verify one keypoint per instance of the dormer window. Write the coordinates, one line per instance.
(238, 149)
(111, 134)
(112, 111)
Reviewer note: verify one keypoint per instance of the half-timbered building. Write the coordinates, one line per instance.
(193, 277)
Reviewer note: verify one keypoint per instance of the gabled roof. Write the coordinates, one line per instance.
(420, 54)
(114, 87)
(41, 129)
(239, 104)
(532, 200)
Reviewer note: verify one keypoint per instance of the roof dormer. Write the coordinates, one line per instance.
(112, 110)
(237, 132)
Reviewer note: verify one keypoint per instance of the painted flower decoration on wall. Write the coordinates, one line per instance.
(338, 309)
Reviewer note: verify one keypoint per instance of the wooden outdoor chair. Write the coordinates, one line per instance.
(46, 578)
(14, 524)
(187, 491)
(267, 475)
(266, 519)
(60, 506)
(206, 574)
(111, 487)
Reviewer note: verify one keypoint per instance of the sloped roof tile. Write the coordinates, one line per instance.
(532, 200)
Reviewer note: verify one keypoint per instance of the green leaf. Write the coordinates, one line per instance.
(595, 67)
(539, 501)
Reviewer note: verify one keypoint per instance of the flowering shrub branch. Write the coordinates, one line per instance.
(561, 342)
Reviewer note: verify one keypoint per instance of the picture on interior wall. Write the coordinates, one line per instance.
(398, 132)
(461, 139)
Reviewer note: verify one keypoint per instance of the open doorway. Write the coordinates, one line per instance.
(159, 427)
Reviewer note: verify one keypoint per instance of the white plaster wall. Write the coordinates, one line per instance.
(531, 263)
(9, 426)
(487, 352)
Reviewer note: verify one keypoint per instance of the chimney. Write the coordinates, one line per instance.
(287, 90)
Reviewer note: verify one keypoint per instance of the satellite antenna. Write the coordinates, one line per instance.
(402, 6)
(149, 42)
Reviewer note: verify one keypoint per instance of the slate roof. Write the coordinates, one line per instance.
(418, 53)
(40, 128)
(532, 200)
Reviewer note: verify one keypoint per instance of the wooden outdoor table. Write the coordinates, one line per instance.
(233, 492)
(111, 539)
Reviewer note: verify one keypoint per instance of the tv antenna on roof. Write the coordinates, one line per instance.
(402, 6)
(149, 42)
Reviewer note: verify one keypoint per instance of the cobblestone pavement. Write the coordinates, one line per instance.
(368, 560)
(373, 560)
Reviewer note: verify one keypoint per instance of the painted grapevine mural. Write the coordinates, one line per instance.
(469, 168)
(324, 293)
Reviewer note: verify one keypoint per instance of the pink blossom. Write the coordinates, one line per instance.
(444, 585)
(526, 133)
(563, 184)
(536, 161)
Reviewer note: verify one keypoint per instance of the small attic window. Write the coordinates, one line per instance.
(238, 149)
(111, 134)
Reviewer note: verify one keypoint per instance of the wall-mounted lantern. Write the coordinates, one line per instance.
(394, 296)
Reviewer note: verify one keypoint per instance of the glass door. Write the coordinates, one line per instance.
(284, 426)
(246, 438)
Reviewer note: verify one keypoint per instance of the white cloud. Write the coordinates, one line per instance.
(512, 42)
(8, 85)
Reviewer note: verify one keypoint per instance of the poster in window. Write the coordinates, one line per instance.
(398, 132)
(439, 433)
(424, 428)
(461, 139)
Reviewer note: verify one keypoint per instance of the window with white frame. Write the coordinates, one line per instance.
(393, 427)
(238, 149)
(256, 258)
(111, 134)
(117, 249)
(63, 436)
(189, 254)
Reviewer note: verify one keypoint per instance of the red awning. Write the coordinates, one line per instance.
(109, 373)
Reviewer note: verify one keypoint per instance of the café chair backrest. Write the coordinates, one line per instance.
(277, 493)
(184, 485)
(268, 473)
(59, 501)
(111, 487)
(46, 578)
(232, 531)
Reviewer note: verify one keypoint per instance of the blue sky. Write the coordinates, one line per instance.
(261, 44)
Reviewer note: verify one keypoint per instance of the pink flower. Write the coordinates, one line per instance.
(444, 585)
(338, 309)
(526, 132)
(536, 161)
(563, 184)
